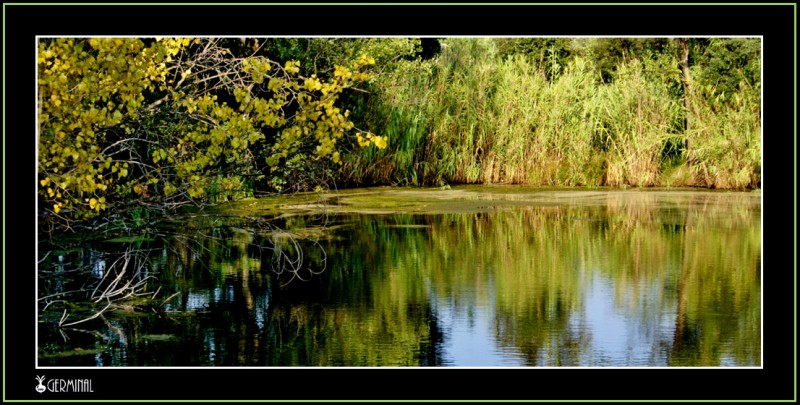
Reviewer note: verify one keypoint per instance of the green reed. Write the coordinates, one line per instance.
(469, 116)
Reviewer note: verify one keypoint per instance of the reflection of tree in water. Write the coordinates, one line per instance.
(543, 338)
(253, 317)
(135, 328)
(719, 297)
(359, 313)
(683, 274)
(311, 334)
(545, 258)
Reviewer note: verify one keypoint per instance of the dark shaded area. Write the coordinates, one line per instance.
(430, 48)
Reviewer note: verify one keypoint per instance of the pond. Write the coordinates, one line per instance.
(477, 276)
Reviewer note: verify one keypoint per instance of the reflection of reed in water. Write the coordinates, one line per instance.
(666, 259)
(656, 251)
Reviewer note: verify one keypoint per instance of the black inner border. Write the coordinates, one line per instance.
(776, 23)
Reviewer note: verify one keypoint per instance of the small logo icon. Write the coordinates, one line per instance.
(40, 388)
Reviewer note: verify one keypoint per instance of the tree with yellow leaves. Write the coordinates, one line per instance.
(166, 122)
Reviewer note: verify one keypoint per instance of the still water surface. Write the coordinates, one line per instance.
(463, 277)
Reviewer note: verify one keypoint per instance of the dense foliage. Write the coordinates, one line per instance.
(574, 112)
(158, 123)
(170, 121)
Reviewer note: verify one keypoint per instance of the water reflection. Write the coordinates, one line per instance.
(613, 279)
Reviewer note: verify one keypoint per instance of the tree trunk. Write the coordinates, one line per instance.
(686, 81)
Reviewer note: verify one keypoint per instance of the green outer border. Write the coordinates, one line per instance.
(403, 4)
(4, 199)
(407, 401)
(795, 202)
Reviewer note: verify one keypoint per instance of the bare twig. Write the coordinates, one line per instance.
(63, 317)
(169, 298)
(85, 319)
(91, 332)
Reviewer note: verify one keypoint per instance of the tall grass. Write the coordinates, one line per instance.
(724, 144)
(470, 117)
(637, 114)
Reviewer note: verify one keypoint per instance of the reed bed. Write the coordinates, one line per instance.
(469, 116)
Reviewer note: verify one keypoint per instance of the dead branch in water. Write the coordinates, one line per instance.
(195, 239)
